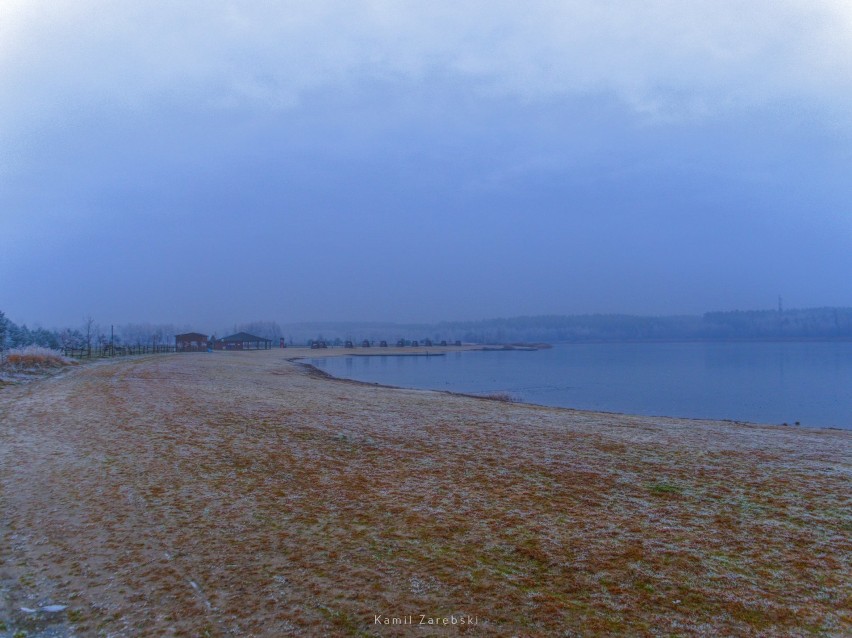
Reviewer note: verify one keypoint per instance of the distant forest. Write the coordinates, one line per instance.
(811, 323)
(88, 334)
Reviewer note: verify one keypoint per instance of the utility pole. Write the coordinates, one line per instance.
(780, 305)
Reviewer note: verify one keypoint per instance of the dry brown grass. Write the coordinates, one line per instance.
(236, 494)
(34, 358)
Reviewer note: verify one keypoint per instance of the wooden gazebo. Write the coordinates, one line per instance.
(242, 341)
(191, 342)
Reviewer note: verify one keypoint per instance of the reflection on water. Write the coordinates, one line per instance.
(760, 382)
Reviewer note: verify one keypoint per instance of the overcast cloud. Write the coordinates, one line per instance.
(212, 163)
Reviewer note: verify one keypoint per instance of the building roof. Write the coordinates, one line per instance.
(242, 336)
(190, 336)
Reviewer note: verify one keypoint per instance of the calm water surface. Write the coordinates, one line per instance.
(759, 382)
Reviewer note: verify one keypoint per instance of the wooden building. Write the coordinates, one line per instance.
(191, 342)
(242, 341)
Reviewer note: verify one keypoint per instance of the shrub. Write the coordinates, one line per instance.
(35, 357)
(505, 397)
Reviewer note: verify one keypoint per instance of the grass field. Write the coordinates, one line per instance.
(240, 494)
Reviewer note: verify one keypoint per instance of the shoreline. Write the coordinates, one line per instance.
(489, 397)
(423, 351)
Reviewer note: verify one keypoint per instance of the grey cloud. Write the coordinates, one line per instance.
(422, 161)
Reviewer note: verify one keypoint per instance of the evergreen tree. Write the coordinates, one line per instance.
(3, 333)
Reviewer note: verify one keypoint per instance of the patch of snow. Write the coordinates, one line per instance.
(54, 608)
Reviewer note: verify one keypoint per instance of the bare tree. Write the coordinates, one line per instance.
(70, 339)
(90, 329)
(2, 337)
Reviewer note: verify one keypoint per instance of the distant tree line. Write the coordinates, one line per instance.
(265, 329)
(814, 323)
(15, 336)
(89, 334)
(811, 323)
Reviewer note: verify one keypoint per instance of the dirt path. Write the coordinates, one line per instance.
(236, 494)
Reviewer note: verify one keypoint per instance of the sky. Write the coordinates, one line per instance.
(211, 163)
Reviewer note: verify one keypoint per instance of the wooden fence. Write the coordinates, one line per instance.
(96, 352)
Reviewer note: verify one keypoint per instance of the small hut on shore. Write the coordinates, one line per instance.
(191, 342)
(242, 341)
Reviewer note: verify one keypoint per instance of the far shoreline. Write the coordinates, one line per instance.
(319, 373)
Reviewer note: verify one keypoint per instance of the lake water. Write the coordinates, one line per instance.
(758, 382)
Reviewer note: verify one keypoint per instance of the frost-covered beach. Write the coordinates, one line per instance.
(245, 494)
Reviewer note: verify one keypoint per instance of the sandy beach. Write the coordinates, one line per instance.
(244, 494)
